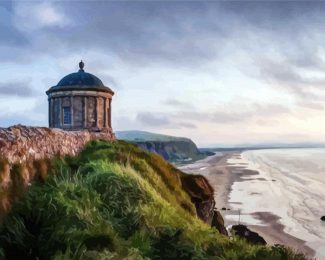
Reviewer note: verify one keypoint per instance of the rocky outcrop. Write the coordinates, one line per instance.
(218, 223)
(202, 195)
(252, 237)
(19, 143)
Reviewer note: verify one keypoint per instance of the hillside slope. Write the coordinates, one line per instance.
(140, 136)
(171, 148)
(116, 201)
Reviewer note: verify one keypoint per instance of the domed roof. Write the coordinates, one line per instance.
(80, 80)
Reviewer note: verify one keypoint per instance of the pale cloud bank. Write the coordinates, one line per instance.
(16, 88)
(35, 15)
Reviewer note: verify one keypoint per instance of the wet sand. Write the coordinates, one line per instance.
(274, 233)
(221, 175)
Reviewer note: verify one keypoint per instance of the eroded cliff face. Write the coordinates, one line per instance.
(171, 148)
(202, 195)
(174, 151)
(25, 154)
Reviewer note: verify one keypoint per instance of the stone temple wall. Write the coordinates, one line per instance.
(88, 109)
(20, 143)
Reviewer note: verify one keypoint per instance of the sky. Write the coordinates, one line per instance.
(218, 72)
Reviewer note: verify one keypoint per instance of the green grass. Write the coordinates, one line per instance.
(116, 201)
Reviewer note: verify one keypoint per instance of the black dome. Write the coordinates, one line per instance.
(80, 80)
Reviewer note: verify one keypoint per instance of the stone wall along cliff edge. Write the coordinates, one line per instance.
(25, 154)
(19, 143)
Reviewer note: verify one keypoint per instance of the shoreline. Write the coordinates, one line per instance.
(274, 234)
(222, 175)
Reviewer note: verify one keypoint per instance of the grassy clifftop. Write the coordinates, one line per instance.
(116, 201)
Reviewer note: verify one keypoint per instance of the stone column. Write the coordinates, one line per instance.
(105, 112)
(60, 112)
(110, 113)
(85, 112)
(71, 111)
(97, 112)
(50, 112)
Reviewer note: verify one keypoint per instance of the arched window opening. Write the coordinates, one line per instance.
(67, 115)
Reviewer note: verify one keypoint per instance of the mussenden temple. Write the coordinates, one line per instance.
(80, 101)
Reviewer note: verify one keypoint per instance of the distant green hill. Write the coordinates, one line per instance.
(174, 149)
(147, 136)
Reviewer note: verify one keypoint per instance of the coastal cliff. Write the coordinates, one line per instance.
(173, 149)
(26, 152)
(112, 200)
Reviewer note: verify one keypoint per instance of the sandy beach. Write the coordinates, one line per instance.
(222, 174)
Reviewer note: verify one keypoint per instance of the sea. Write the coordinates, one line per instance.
(290, 184)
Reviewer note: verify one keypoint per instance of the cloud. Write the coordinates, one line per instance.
(248, 113)
(173, 102)
(18, 88)
(187, 125)
(174, 33)
(137, 32)
(162, 120)
(9, 34)
(234, 112)
(287, 76)
(152, 119)
(310, 104)
(110, 82)
(35, 114)
(227, 114)
(31, 16)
